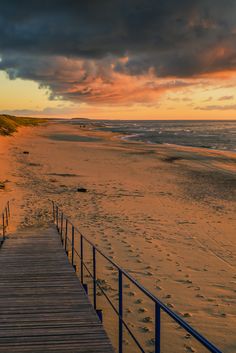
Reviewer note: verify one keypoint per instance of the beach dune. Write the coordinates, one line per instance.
(164, 213)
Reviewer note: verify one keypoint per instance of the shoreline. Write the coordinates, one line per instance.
(174, 148)
(123, 137)
(128, 136)
(169, 222)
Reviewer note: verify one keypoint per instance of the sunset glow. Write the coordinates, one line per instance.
(183, 71)
(118, 176)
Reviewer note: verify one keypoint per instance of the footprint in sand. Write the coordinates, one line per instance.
(128, 311)
(131, 294)
(110, 268)
(126, 285)
(142, 310)
(184, 281)
(138, 301)
(150, 342)
(186, 315)
(189, 349)
(144, 329)
(158, 287)
(147, 319)
(148, 273)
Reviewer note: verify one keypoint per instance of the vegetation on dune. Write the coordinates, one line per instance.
(9, 124)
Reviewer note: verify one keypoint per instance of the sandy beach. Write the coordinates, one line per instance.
(164, 213)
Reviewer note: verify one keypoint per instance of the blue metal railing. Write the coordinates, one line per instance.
(63, 225)
(5, 217)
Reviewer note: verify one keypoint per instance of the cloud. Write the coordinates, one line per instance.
(217, 107)
(82, 49)
(48, 111)
(224, 98)
(89, 81)
(209, 99)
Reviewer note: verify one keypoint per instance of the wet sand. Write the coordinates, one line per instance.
(164, 213)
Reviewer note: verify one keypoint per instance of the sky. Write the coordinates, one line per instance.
(113, 59)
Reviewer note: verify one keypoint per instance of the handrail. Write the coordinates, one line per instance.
(5, 217)
(62, 221)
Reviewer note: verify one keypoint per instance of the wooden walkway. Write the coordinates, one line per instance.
(43, 307)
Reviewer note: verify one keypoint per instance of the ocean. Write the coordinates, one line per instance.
(220, 135)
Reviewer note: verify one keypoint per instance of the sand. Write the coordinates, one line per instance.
(164, 213)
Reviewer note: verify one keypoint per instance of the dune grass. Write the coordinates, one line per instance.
(9, 124)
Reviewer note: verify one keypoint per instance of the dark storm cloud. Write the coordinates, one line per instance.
(179, 38)
(169, 35)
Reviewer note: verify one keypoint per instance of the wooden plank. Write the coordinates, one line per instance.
(43, 306)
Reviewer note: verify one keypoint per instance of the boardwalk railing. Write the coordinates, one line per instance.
(5, 218)
(69, 233)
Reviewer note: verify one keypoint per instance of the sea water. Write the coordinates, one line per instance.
(220, 135)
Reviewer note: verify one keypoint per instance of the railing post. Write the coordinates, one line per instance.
(72, 244)
(94, 279)
(3, 226)
(57, 215)
(81, 260)
(157, 328)
(120, 312)
(62, 227)
(66, 232)
(53, 211)
(6, 213)
(8, 207)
